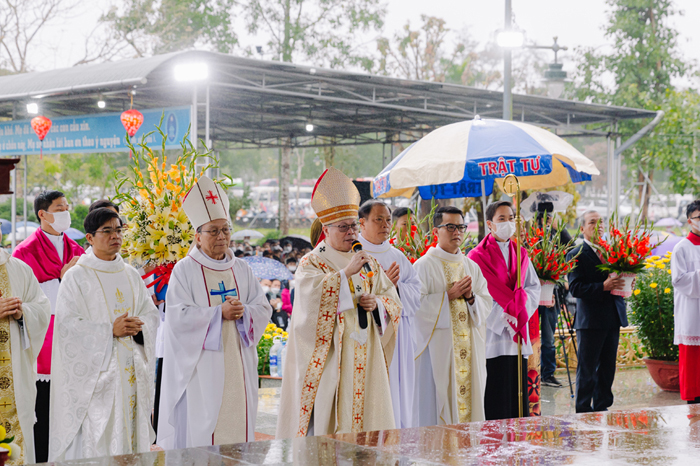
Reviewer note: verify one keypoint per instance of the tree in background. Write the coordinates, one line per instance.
(638, 72)
(152, 27)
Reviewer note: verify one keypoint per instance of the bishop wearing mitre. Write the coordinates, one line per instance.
(343, 328)
(216, 312)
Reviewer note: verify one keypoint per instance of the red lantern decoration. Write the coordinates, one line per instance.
(41, 126)
(132, 120)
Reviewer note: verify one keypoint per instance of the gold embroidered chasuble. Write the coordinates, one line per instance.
(336, 374)
(8, 404)
(231, 425)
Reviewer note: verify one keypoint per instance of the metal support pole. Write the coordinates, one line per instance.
(612, 195)
(507, 56)
(24, 192)
(14, 209)
(193, 133)
(206, 122)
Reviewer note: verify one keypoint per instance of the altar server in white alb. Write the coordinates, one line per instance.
(24, 317)
(450, 328)
(215, 314)
(103, 352)
(375, 224)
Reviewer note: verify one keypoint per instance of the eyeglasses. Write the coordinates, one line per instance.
(345, 227)
(451, 227)
(111, 231)
(695, 218)
(217, 231)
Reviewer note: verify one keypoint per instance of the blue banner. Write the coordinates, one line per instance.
(93, 133)
(455, 190)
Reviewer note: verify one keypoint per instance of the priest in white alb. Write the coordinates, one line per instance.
(375, 224)
(215, 314)
(103, 359)
(24, 317)
(343, 328)
(450, 331)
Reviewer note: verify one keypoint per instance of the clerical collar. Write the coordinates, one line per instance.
(694, 238)
(371, 247)
(91, 261)
(202, 259)
(440, 253)
(218, 261)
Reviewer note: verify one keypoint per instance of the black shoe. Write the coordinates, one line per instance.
(551, 382)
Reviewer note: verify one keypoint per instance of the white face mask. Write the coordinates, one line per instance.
(275, 291)
(292, 268)
(504, 230)
(266, 289)
(696, 224)
(61, 221)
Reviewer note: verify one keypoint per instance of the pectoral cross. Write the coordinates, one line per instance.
(223, 292)
(3, 360)
(5, 404)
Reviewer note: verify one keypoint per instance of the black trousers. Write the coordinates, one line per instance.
(501, 398)
(41, 427)
(595, 373)
(156, 402)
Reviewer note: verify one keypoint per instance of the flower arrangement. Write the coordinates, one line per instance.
(548, 257)
(624, 251)
(158, 233)
(651, 306)
(548, 254)
(271, 331)
(13, 450)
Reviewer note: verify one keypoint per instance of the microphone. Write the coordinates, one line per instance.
(361, 313)
(357, 247)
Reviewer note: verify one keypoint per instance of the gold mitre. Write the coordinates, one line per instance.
(335, 197)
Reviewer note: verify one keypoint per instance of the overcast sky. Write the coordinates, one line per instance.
(575, 22)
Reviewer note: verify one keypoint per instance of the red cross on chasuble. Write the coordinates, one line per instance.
(230, 427)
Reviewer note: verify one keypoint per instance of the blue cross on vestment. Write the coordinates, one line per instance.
(223, 292)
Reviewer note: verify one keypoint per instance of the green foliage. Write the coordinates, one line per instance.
(272, 234)
(323, 32)
(6, 210)
(637, 72)
(77, 216)
(651, 307)
(154, 27)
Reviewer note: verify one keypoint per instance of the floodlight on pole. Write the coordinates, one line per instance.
(509, 39)
(309, 127)
(33, 108)
(188, 72)
(101, 102)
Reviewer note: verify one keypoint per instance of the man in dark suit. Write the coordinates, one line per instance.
(599, 317)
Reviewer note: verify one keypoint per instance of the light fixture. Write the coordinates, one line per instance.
(101, 102)
(309, 127)
(510, 39)
(186, 72)
(33, 108)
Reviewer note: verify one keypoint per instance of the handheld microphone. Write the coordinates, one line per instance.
(357, 247)
(361, 313)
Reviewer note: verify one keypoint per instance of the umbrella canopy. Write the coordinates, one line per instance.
(471, 151)
(75, 234)
(250, 234)
(668, 222)
(298, 241)
(5, 226)
(21, 233)
(270, 269)
(669, 242)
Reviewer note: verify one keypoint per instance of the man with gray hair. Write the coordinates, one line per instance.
(599, 316)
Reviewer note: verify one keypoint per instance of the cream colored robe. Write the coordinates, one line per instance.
(336, 377)
(436, 384)
(25, 343)
(102, 387)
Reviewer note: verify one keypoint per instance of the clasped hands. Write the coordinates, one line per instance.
(11, 307)
(125, 326)
(232, 308)
(461, 289)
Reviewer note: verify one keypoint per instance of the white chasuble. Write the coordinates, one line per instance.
(450, 337)
(20, 343)
(209, 390)
(102, 386)
(336, 377)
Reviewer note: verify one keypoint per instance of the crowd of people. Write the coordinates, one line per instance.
(90, 367)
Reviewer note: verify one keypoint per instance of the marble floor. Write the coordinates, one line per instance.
(633, 388)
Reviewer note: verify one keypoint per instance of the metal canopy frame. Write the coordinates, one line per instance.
(253, 103)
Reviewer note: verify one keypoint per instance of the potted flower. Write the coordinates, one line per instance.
(548, 257)
(158, 233)
(624, 252)
(651, 306)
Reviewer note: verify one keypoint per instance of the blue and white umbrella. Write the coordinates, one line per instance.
(266, 268)
(451, 161)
